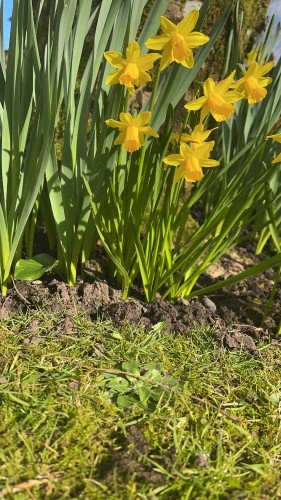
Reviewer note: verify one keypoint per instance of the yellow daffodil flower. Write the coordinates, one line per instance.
(253, 82)
(276, 137)
(254, 56)
(132, 130)
(177, 41)
(217, 99)
(196, 138)
(132, 70)
(190, 161)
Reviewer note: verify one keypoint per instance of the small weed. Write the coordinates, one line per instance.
(143, 385)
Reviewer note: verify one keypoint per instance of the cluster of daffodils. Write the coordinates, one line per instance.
(176, 43)
(192, 157)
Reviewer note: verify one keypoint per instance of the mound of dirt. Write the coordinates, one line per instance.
(234, 313)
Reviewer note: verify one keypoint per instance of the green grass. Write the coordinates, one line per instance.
(63, 434)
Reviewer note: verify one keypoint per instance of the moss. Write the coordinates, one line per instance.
(254, 15)
(63, 437)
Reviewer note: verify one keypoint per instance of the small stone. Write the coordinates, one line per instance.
(26, 341)
(3, 380)
(98, 351)
(209, 304)
(184, 301)
(73, 385)
(202, 460)
(36, 340)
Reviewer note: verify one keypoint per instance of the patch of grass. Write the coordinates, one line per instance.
(216, 434)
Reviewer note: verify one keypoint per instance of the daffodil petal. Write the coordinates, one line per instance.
(276, 137)
(188, 62)
(205, 149)
(209, 87)
(114, 58)
(167, 25)
(181, 137)
(115, 124)
(142, 119)
(133, 51)
(237, 83)
(224, 85)
(167, 57)
(262, 70)
(185, 150)
(149, 130)
(252, 69)
(204, 133)
(173, 160)
(277, 159)
(232, 96)
(196, 104)
(157, 42)
(146, 62)
(188, 23)
(141, 137)
(179, 173)
(210, 163)
(196, 39)
(204, 112)
(120, 138)
(264, 81)
(126, 119)
(113, 78)
(143, 77)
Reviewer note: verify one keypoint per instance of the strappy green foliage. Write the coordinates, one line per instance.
(93, 191)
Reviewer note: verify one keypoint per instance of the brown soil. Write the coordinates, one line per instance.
(234, 313)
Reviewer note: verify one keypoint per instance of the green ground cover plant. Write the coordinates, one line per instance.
(204, 422)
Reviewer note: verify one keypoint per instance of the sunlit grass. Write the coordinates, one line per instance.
(216, 435)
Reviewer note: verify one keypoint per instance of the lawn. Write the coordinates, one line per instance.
(98, 412)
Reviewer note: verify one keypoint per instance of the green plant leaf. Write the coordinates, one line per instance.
(118, 384)
(32, 269)
(144, 395)
(131, 366)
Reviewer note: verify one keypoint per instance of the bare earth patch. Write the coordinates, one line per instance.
(235, 313)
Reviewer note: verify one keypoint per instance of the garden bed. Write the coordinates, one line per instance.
(235, 312)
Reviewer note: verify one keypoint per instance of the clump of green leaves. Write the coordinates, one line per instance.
(143, 385)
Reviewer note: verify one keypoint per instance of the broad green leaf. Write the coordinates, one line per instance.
(32, 269)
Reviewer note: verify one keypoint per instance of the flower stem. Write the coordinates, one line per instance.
(155, 88)
(116, 173)
(150, 108)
